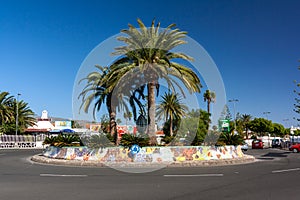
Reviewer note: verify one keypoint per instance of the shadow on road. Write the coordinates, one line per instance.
(279, 154)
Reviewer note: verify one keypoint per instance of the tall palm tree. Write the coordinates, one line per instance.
(146, 58)
(99, 92)
(245, 119)
(96, 92)
(209, 97)
(25, 115)
(171, 108)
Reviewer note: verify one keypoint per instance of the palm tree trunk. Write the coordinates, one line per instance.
(151, 112)
(208, 106)
(171, 126)
(112, 119)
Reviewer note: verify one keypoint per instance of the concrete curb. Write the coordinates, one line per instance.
(204, 163)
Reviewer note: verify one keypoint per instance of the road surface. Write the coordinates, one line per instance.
(275, 175)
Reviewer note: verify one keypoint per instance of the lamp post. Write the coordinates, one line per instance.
(266, 113)
(233, 101)
(17, 117)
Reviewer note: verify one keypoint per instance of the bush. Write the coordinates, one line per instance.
(97, 141)
(230, 139)
(168, 139)
(128, 140)
(63, 140)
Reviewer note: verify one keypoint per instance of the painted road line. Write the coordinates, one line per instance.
(286, 170)
(193, 175)
(63, 175)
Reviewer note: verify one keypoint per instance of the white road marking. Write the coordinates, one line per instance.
(286, 170)
(63, 175)
(2, 154)
(193, 175)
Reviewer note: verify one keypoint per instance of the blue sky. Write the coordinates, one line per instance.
(254, 43)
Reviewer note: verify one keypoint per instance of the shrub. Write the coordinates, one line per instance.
(128, 140)
(168, 139)
(97, 141)
(230, 139)
(63, 140)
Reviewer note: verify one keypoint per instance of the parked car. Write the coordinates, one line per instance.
(277, 143)
(244, 146)
(257, 144)
(295, 148)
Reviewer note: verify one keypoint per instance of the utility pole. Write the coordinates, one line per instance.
(17, 117)
(234, 101)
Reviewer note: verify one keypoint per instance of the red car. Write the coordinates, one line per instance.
(257, 144)
(295, 148)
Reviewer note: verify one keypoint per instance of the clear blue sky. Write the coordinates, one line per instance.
(254, 43)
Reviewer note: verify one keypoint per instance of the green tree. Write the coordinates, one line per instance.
(278, 130)
(261, 126)
(171, 109)
(225, 114)
(297, 99)
(209, 97)
(147, 57)
(297, 133)
(195, 127)
(243, 121)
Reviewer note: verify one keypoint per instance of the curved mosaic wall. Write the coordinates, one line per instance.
(145, 154)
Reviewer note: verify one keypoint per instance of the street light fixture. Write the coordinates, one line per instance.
(17, 117)
(233, 101)
(266, 113)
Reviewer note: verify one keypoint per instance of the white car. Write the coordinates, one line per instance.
(244, 146)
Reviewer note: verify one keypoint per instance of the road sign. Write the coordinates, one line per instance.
(224, 125)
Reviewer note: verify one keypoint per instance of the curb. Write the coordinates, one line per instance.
(204, 163)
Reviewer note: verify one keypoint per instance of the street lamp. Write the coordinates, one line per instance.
(17, 117)
(233, 101)
(266, 113)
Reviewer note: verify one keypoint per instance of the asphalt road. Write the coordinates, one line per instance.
(275, 175)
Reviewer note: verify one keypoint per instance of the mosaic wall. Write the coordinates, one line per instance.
(145, 154)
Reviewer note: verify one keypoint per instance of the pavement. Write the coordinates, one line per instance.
(274, 176)
(45, 160)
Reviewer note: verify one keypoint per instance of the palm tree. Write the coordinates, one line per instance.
(145, 59)
(96, 91)
(171, 108)
(209, 97)
(8, 108)
(245, 119)
(25, 115)
(127, 116)
(6, 111)
(100, 92)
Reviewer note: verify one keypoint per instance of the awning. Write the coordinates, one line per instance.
(37, 130)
